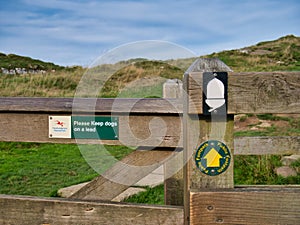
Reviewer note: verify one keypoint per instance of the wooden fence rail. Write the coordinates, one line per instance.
(26, 120)
(263, 205)
(260, 92)
(16, 210)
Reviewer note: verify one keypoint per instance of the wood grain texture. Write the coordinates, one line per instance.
(286, 145)
(143, 130)
(122, 174)
(33, 127)
(253, 92)
(198, 129)
(263, 206)
(90, 105)
(16, 210)
(174, 189)
(207, 65)
(195, 93)
(221, 131)
(173, 176)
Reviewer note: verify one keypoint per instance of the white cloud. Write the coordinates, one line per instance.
(82, 29)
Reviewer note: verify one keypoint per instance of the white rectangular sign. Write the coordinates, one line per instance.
(59, 126)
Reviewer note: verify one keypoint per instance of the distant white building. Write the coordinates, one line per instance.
(20, 71)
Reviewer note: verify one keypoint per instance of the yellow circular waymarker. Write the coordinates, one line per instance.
(212, 157)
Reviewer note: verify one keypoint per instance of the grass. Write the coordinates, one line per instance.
(137, 71)
(260, 169)
(282, 54)
(58, 84)
(251, 170)
(290, 128)
(272, 117)
(41, 169)
(150, 196)
(147, 91)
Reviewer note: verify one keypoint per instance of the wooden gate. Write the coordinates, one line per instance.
(197, 198)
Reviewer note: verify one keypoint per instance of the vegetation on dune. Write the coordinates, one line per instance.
(58, 84)
(12, 61)
(138, 70)
(279, 55)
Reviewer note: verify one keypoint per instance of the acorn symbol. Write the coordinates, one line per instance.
(215, 94)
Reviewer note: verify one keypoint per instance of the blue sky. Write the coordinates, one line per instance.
(75, 32)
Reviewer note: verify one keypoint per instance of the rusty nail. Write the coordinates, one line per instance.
(210, 207)
(219, 220)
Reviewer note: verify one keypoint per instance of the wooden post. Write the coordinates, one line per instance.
(199, 128)
(172, 88)
(173, 172)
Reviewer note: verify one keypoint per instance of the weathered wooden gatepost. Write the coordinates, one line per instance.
(208, 135)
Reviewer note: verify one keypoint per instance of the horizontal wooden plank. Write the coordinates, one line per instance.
(90, 105)
(246, 206)
(138, 130)
(15, 210)
(151, 130)
(253, 92)
(285, 145)
(122, 175)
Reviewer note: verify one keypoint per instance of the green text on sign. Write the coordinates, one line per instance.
(95, 127)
